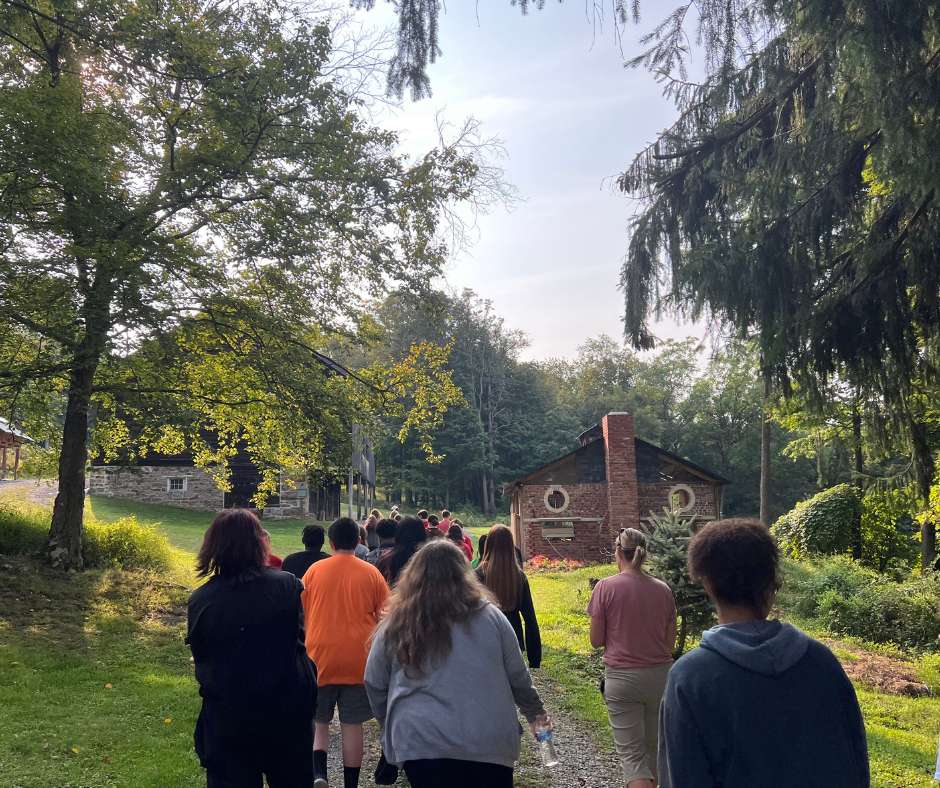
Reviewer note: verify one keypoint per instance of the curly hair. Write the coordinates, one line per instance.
(739, 559)
(436, 590)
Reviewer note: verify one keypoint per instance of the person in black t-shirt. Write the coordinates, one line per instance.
(298, 563)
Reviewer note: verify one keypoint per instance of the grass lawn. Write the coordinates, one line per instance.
(96, 685)
(902, 732)
(185, 527)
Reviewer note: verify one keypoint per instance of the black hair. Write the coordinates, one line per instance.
(423, 514)
(739, 559)
(344, 533)
(408, 538)
(386, 528)
(455, 534)
(481, 545)
(432, 519)
(445, 514)
(313, 537)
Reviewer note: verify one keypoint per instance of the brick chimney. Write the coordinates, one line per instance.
(620, 457)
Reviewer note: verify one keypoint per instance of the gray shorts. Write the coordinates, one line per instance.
(354, 708)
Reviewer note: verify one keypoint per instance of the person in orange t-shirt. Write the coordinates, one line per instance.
(342, 599)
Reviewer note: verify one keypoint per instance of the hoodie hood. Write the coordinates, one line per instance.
(765, 647)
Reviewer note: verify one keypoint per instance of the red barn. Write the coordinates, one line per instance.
(574, 506)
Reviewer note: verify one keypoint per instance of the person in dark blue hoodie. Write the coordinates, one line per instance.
(758, 704)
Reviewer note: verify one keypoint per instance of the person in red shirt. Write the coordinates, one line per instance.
(423, 517)
(466, 538)
(272, 560)
(455, 534)
(446, 521)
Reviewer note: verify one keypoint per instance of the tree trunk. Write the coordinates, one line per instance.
(924, 470)
(859, 478)
(485, 498)
(64, 545)
(765, 453)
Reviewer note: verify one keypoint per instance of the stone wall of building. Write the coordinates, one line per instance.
(151, 484)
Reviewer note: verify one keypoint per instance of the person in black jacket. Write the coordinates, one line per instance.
(297, 564)
(758, 703)
(258, 687)
(500, 572)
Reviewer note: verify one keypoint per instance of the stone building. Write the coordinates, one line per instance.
(174, 480)
(574, 506)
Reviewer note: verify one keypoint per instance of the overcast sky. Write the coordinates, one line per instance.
(553, 88)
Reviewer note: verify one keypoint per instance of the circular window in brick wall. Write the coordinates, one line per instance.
(556, 499)
(681, 498)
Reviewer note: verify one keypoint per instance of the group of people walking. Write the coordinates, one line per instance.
(409, 632)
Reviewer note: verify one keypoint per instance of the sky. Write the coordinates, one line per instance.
(552, 87)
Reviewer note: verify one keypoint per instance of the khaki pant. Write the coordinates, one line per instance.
(633, 696)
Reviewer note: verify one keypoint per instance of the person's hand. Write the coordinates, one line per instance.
(541, 721)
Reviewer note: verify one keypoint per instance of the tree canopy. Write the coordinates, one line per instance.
(190, 205)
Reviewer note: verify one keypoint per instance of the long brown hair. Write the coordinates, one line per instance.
(233, 546)
(501, 573)
(436, 590)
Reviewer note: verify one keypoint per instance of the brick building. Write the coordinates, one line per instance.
(574, 506)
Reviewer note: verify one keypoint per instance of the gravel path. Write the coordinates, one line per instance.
(583, 763)
(41, 492)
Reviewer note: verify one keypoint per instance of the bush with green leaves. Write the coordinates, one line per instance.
(889, 539)
(668, 543)
(841, 596)
(125, 543)
(821, 525)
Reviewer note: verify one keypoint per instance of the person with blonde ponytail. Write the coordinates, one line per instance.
(633, 618)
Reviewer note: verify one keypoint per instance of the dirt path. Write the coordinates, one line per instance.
(41, 492)
(583, 763)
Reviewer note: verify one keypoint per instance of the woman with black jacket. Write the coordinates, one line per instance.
(500, 572)
(258, 687)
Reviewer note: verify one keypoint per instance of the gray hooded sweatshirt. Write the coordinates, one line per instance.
(463, 708)
(760, 705)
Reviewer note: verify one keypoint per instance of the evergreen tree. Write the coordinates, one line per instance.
(668, 542)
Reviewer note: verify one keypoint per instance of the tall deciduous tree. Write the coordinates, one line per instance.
(190, 168)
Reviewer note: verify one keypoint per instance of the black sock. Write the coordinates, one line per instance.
(350, 777)
(319, 764)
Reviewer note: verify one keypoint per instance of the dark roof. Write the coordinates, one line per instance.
(698, 469)
(534, 472)
(687, 463)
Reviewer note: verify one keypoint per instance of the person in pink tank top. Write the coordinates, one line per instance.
(633, 618)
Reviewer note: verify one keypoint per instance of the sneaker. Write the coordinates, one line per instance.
(321, 782)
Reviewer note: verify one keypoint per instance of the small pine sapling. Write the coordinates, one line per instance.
(668, 542)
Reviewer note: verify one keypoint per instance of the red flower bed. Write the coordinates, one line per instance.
(542, 563)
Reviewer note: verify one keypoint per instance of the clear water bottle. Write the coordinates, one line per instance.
(543, 735)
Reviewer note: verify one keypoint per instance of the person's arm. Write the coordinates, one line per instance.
(381, 594)
(377, 676)
(671, 627)
(683, 760)
(520, 680)
(855, 724)
(533, 638)
(595, 610)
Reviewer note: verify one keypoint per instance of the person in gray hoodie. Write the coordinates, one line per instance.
(445, 675)
(758, 703)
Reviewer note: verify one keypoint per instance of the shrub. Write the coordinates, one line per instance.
(888, 529)
(821, 525)
(847, 599)
(124, 543)
(23, 529)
